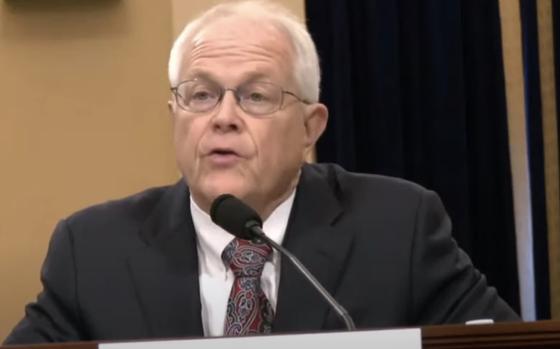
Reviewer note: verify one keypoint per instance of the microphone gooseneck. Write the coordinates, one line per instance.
(237, 218)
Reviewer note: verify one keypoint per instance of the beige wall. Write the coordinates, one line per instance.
(83, 118)
(184, 10)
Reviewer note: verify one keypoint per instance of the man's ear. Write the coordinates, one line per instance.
(171, 107)
(315, 122)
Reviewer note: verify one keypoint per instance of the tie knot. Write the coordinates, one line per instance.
(246, 258)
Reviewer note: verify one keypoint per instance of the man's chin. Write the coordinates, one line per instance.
(235, 189)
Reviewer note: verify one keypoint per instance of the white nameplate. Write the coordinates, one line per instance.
(378, 339)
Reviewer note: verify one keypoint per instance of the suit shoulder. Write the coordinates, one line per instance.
(344, 181)
(133, 208)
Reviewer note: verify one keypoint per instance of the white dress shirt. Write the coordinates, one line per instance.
(215, 279)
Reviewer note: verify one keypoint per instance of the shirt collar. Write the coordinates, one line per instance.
(212, 239)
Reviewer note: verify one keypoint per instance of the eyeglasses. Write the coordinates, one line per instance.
(256, 98)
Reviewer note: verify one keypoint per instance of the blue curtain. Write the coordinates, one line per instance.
(415, 89)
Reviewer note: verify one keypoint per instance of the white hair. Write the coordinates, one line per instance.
(307, 73)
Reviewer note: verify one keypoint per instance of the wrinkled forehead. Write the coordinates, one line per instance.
(237, 41)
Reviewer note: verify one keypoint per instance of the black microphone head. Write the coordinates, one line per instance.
(234, 216)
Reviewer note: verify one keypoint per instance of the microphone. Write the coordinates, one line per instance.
(237, 218)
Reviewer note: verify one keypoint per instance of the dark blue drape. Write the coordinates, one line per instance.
(416, 89)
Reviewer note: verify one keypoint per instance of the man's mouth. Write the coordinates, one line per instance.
(223, 157)
(223, 152)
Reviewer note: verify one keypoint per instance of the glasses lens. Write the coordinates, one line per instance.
(198, 96)
(259, 98)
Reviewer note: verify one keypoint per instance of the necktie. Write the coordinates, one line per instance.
(248, 310)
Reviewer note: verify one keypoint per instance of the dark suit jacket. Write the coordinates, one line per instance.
(382, 246)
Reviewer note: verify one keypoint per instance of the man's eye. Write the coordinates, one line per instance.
(257, 97)
(201, 95)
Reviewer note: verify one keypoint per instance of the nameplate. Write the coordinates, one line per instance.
(402, 339)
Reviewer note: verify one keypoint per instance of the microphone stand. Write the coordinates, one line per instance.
(254, 227)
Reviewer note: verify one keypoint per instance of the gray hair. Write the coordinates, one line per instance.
(307, 73)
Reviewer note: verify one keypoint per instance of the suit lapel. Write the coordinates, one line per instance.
(312, 237)
(165, 271)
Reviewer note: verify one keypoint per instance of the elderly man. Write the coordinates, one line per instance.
(245, 86)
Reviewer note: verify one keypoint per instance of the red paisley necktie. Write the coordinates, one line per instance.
(248, 309)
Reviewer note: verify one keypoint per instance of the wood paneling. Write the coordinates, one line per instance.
(550, 140)
(510, 20)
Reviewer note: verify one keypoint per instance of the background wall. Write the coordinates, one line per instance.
(83, 118)
(184, 10)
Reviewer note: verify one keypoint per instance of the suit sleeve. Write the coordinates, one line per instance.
(446, 287)
(53, 317)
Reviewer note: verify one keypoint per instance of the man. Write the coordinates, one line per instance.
(245, 83)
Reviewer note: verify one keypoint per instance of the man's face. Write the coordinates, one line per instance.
(226, 150)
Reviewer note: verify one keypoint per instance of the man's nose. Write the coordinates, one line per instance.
(227, 117)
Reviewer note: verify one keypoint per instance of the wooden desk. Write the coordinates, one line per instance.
(529, 335)
(540, 334)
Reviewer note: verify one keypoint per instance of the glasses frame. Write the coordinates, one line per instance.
(223, 90)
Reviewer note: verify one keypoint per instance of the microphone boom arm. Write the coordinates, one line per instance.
(339, 309)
